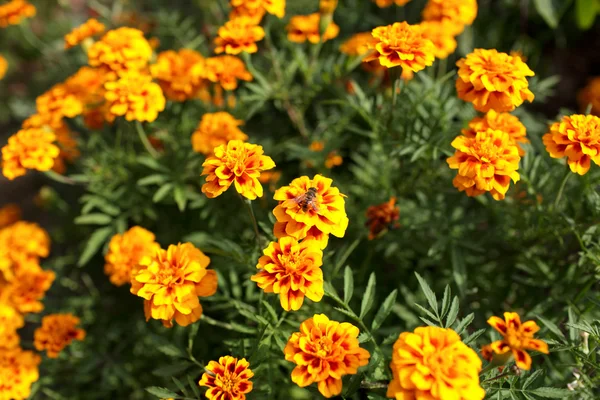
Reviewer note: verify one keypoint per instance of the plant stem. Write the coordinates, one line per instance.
(59, 178)
(396, 78)
(248, 204)
(144, 140)
(562, 188)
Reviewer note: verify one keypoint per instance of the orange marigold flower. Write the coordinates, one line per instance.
(18, 371)
(254, 14)
(59, 102)
(306, 27)
(87, 85)
(236, 163)
(134, 96)
(402, 45)
(485, 163)
(493, 81)
(170, 282)
(32, 148)
(433, 363)
(387, 3)
(504, 122)
(293, 270)
(227, 379)
(310, 209)
(270, 177)
(226, 70)
(216, 129)
(457, 12)
(14, 11)
(588, 96)
(90, 28)
(3, 67)
(517, 337)
(333, 160)
(382, 217)
(22, 244)
(125, 252)
(439, 33)
(10, 321)
(56, 333)
(179, 74)
(576, 137)
(28, 288)
(122, 49)
(327, 6)
(323, 352)
(274, 7)
(357, 45)
(238, 35)
(317, 145)
(9, 214)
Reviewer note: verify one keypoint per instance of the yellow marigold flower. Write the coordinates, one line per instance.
(504, 122)
(14, 11)
(227, 379)
(274, 7)
(9, 214)
(125, 252)
(236, 163)
(87, 85)
(333, 160)
(293, 270)
(28, 288)
(327, 6)
(179, 74)
(517, 337)
(122, 49)
(485, 162)
(59, 102)
(432, 363)
(576, 137)
(317, 145)
(3, 67)
(590, 95)
(306, 27)
(216, 129)
(29, 149)
(22, 244)
(457, 12)
(382, 217)
(493, 81)
(18, 371)
(310, 209)
(10, 321)
(254, 14)
(439, 33)
(134, 96)
(56, 333)
(238, 35)
(402, 45)
(170, 282)
(387, 3)
(357, 45)
(226, 70)
(90, 28)
(324, 351)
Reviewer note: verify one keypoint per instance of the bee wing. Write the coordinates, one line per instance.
(293, 202)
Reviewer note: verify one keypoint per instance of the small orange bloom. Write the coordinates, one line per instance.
(9, 214)
(119, 50)
(56, 333)
(13, 12)
(10, 321)
(226, 70)
(588, 96)
(170, 282)
(306, 27)
(504, 122)
(228, 379)
(59, 102)
(327, 6)
(29, 149)
(270, 177)
(517, 337)
(457, 12)
(238, 35)
(90, 28)
(87, 85)
(179, 74)
(254, 14)
(236, 163)
(22, 244)
(274, 7)
(3, 67)
(215, 130)
(357, 45)
(18, 370)
(27, 289)
(333, 160)
(316, 146)
(439, 32)
(382, 217)
(324, 351)
(387, 3)
(134, 96)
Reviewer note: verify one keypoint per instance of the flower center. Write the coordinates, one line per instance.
(486, 151)
(169, 275)
(513, 338)
(323, 346)
(230, 384)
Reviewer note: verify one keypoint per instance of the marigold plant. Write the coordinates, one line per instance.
(216, 129)
(302, 28)
(382, 217)
(125, 252)
(239, 35)
(504, 122)
(119, 50)
(57, 332)
(14, 11)
(135, 97)
(179, 74)
(90, 28)
(18, 370)
(229, 378)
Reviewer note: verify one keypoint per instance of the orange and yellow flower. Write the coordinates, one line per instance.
(90, 28)
(493, 81)
(274, 7)
(324, 351)
(9, 214)
(433, 363)
(22, 244)
(226, 70)
(119, 50)
(458, 13)
(216, 129)
(357, 45)
(229, 378)
(59, 102)
(292, 270)
(311, 220)
(439, 32)
(236, 163)
(517, 338)
(10, 321)
(29, 149)
(504, 122)
(171, 281)
(56, 333)
(255, 15)
(27, 289)
(387, 3)
(179, 74)
(87, 85)
(134, 96)
(401, 45)
(382, 217)
(18, 371)
(3, 67)
(238, 35)
(13, 12)
(306, 27)
(588, 96)
(485, 162)
(576, 137)
(333, 160)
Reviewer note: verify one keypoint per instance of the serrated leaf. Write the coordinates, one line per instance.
(552, 327)
(345, 312)
(552, 393)
(472, 337)
(180, 198)
(384, 310)
(459, 269)
(369, 297)
(532, 377)
(96, 240)
(348, 284)
(425, 311)
(453, 312)
(464, 323)
(162, 192)
(161, 393)
(429, 295)
(93, 219)
(446, 301)
(152, 180)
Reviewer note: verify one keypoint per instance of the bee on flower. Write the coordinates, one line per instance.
(306, 27)
(90, 28)
(229, 378)
(239, 35)
(56, 333)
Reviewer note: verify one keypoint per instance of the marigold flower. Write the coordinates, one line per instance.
(28, 288)
(22, 244)
(236, 163)
(134, 96)
(125, 252)
(14, 11)
(517, 337)
(179, 74)
(382, 217)
(293, 270)
(238, 35)
(387, 3)
(10, 321)
(3, 67)
(433, 363)
(588, 96)
(87, 85)
(576, 137)
(457, 12)
(90, 28)
(29, 149)
(274, 7)
(439, 32)
(59, 102)
(333, 160)
(402, 45)
(170, 281)
(310, 209)
(324, 351)
(306, 27)
(254, 14)
(226, 70)
(485, 163)
(357, 45)
(316, 146)
(18, 371)
(227, 379)
(216, 129)
(119, 50)
(270, 177)
(327, 6)
(9, 214)
(493, 81)
(504, 122)
(56, 333)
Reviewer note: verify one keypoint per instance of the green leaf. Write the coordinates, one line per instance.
(459, 269)
(172, 370)
(586, 12)
(384, 310)
(429, 295)
(180, 198)
(369, 297)
(464, 323)
(552, 393)
(547, 11)
(171, 350)
(161, 393)
(97, 239)
(93, 219)
(162, 192)
(152, 180)
(348, 284)
(453, 313)
(552, 327)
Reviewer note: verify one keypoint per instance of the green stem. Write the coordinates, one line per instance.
(562, 188)
(248, 204)
(396, 80)
(59, 178)
(144, 140)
